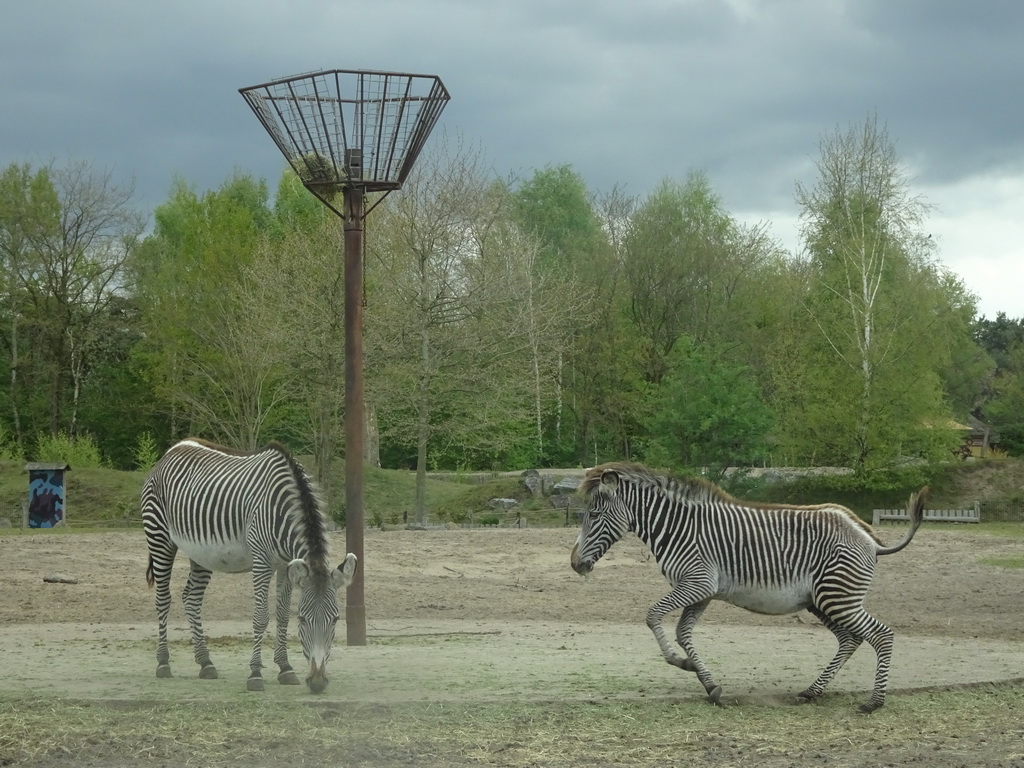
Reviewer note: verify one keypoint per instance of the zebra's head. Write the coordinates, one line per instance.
(605, 518)
(318, 613)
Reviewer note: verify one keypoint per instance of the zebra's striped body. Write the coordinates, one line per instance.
(233, 512)
(766, 558)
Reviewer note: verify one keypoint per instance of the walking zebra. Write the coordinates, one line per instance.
(767, 558)
(233, 512)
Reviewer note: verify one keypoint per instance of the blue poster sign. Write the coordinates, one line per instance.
(46, 495)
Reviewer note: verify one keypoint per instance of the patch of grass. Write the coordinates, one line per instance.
(1006, 530)
(978, 726)
(1004, 562)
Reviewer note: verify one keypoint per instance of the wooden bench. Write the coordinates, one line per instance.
(931, 515)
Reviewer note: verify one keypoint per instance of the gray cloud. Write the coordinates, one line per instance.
(628, 93)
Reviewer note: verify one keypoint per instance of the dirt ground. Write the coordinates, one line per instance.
(497, 615)
(497, 583)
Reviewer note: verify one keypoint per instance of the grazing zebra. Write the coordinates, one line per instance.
(767, 558)
(233, 512)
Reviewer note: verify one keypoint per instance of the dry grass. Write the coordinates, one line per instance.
(978, 726)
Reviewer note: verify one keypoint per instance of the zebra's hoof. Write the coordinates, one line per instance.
(209, 672)
(254, 684)
(683, 663)
(715, 696)
(288, 677)
(805, 697)
(871, 706)
(164, 670)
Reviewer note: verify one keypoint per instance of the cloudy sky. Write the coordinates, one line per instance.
(627, 92)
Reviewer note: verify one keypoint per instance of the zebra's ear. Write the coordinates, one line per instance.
(342, 575)
(609, 481)
(298, 570)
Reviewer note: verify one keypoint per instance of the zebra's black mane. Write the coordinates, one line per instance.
(692, 489)
(699, 491)
(309, 510)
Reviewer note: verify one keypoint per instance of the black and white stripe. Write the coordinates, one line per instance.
(767, 558)
(231, 511)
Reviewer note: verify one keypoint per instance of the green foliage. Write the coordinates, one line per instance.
(705, 411)
(999, 337)
(679, 252)
(471, 499)
(80, 451)
(66, 233)
(554, 206)
(1005, 411)
(388, 494)
(508, 325)
(9, 450)
(862, 375)
(146, 452)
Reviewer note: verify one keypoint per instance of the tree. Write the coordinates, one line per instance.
(1005, 411)
(188, 276)
(29, 212)
(554, 207)
(441, 358)
(302, 320)
(705, 412)
(555, 210)
(68, 232)
(876, 304)
(1003, 339)
(684, 260)
(603, 378)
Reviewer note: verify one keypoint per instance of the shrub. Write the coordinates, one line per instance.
(146, 453)
(79, 452)
(9, 449)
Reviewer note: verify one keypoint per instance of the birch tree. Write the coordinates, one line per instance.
(874, 296)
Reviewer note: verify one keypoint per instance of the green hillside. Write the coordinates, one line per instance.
(106, 497)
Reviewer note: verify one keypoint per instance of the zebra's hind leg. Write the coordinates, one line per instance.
(287, 675)
(192, 596)
(163, 607)
(881, 639)
(158, 574)
(848, 643)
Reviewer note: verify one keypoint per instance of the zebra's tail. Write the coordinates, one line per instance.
(915, 511)
(150, 577)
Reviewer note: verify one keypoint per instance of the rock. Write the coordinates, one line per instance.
(60, 579)
(566, 486)
(534, 482)
(505, 504)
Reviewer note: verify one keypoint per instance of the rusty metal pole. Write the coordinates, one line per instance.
(355, 610)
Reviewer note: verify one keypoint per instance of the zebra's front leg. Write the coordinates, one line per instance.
(684, 636)
(691, 612)
(287, 675)
(261, 575)
(192, 597)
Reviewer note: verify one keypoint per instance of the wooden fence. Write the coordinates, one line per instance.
(933, 515)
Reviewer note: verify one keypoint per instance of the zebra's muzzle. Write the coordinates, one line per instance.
(317, 680)
(582, 567)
